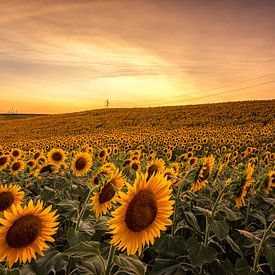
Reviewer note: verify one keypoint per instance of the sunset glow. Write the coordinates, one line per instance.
(66, 56)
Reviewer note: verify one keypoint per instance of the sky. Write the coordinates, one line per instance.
(61, 56)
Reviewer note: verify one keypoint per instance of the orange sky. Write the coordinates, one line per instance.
(65, 56)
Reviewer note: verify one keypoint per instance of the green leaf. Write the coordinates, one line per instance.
(218, 267)
(233, 245)
(8, 271)
(248, 234)
(84, 250)
(47, 193)
(191, 220)
(220, 229)
(231, 215)
(94, 266)
(170, 246)
(130, 264)
(200, 254)
(102, 224)
(52, 261)
(26, 270)
(87, 227)
(258, 217)
(167, 266)
(75, 237)
(207, 212)
(242, 268)
(269, 253)
(68, 207)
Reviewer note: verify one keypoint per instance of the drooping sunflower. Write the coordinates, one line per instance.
(4, 161)
(203, 173)
(81, 164)
(269, 182)
(154, 166)
(56, 156)
(24, 232)
(243, 185)
(102, 200)
(10, 195)
(143, 212)
(17, 166)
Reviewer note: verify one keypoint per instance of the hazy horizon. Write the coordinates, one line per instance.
(66, 56)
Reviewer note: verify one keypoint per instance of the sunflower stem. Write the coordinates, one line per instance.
(82, 211)
(261, 245)
(209, 220)
(248, 204)
(111, 255)
(173, 229)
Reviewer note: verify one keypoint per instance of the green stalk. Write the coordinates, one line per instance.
(82, 211)
(173, 229)
(79, 217)
(248, 204)
(208, 222)
(111, 255)
(262, 243)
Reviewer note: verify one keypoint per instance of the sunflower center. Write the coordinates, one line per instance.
(80, 164)
(15, 153)
(56, 156)
(152, 170)
(102, 154)
(106, 193)
(6, 200)
(23, 232)
(15, 166)
(3, 160)
(135, 166)
(141, 211)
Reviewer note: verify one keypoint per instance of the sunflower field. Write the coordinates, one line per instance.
(168, 190)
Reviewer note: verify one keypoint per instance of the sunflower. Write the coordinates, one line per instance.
(103, 155)
(4, 161)
(10, 195)
(143, 212)
(203, 173)
(17, 166)
(175, 166)
(269, 182)
(81, 164)
(37, 155)
(243, 185)
(56, 156)
(24, 232)
(155, 166)
(16, 153)
(101, 174)
(171, 175)
(135, 164)
(110, 166)
(102, 200)
(47, 168)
